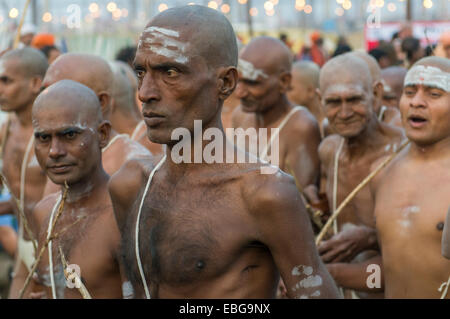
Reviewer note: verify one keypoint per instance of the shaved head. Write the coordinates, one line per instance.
(72, 96)
(372, 63)
(90, 70)
(435, 61)
(268, 54)
(208, 32)
(346, 68)
(124, 86)
(307, 72)
(30, 62)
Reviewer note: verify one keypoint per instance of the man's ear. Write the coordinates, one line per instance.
(285, 82)
(319, 95)
(105, 100)
(228, 78)
(378, 90)
(36, 85)
(104, 131)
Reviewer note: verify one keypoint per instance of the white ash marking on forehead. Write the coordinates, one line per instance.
(428, 76)
(168, 32)
(249, 71)
(159, 41)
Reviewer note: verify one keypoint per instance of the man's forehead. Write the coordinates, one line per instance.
(428, 76)
(344, 89)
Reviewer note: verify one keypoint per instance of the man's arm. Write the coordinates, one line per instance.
(284, 227)
(366, 277)
(7, 207)
(302, 160)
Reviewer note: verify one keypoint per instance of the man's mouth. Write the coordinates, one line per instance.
(60, 168)
(417, 121)
(153, 119)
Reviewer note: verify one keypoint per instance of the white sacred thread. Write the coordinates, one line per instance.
(50, 253)
(263, 155)
(138, 257)
(428, 76)
(111, 142)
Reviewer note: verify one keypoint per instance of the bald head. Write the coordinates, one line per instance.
(393, 78)
(268, 54)
(345, 69)
(372, 63)
(307, 72)
(90, 70)
(124, 87)
(206, 32)
(30, 62)
(69, 96)
(435, 61)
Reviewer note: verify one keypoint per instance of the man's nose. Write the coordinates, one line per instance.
(149, 90)
(241, 90)
(57, 148)
(345, 111)
(418, 100)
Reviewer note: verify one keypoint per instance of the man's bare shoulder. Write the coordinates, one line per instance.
(134, 150)
(129, 178)
(394, 133)
(303, 123)
(269, 194)
(328, 147)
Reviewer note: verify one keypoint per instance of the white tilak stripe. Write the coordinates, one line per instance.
(168, 32)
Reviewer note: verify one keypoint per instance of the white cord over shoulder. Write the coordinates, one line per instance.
(138, 127)
(335, 182)
(138, 257)
(50, 252)
(113, 140)
(264, 153)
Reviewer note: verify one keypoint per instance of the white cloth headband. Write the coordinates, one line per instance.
(428, 76)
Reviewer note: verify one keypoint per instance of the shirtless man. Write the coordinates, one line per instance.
(95, 73)
(126, 117)
(206, 230)
(385, 114)
(348, 96)
(305, 82)
(264, 80)
(410, 194)
(393, 78)
(70, 134)
(21, 74)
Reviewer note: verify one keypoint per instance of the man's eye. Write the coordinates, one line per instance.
(140, 74)
(435, 93)
(171, 73)
(43, 138)
(70, 135)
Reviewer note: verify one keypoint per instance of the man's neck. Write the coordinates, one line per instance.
(24, 115)
(440, 149)
(196, 144)
(368, 138)
(83, 190)
(274, 114)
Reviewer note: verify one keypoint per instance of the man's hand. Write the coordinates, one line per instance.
(346, 245)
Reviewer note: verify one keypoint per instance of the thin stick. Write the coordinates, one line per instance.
(50, 238)
(21, 212)
(83, 290)
(19, 28)
(356, 191)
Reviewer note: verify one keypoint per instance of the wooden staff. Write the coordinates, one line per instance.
(356, 191)
(83, 290)
(50, 238)
(19, 28)
(21, 212)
